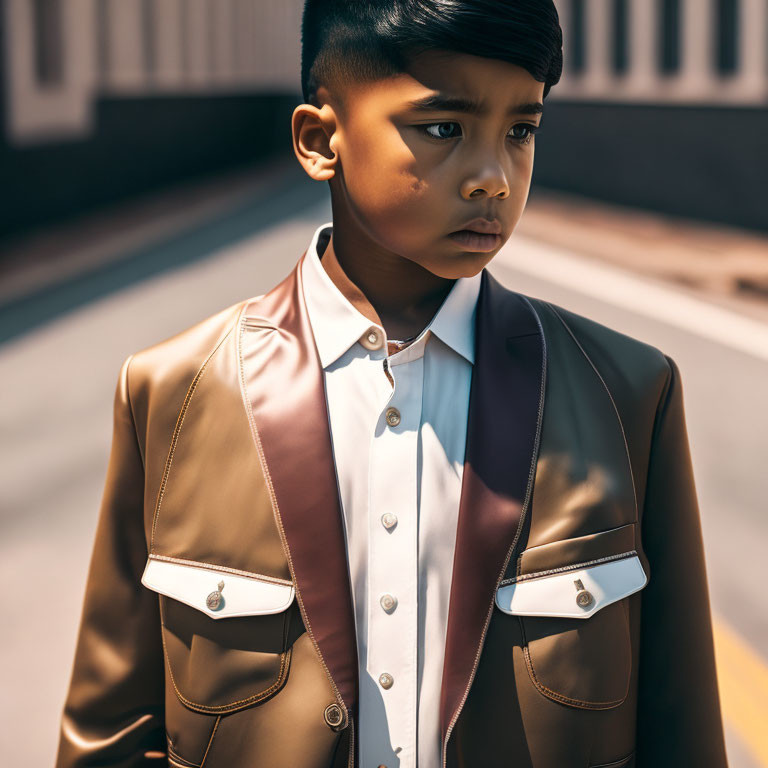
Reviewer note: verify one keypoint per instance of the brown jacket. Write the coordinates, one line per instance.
(218, 627)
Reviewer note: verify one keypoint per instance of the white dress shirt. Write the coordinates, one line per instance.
(399, 484)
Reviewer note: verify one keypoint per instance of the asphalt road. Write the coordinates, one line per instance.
(58, 381)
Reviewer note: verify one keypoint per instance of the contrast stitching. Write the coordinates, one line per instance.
(177, 431)
(615, 763)
(174, 761)
(566, 568)
(284, 659)
(210, 741)
(559, 696)
(523, 513)
(278, 519)
(613, 403)
(224, 568)
(172, 753)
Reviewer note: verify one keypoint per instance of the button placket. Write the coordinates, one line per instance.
(393, 568)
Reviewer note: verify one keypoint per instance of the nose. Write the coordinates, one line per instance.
(489, 180)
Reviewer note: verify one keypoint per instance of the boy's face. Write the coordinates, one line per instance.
(406, 175)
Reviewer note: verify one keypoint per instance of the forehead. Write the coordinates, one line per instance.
(482, 86)
(492, 83)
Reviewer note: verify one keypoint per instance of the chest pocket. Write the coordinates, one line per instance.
(227, 636)
(575, 620)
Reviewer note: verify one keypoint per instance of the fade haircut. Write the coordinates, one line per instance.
(343, 40)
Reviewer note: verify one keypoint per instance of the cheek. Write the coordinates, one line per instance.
(390, 192)
(385, 180)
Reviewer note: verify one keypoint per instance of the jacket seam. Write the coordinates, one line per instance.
(610, 397)
(224, 568)
(614, 763)
(177, 432)
(559, 696)
(173, 755)
(210, 741)
(566, 568)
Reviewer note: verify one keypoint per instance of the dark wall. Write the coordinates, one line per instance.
(709, 163)
(138, 145)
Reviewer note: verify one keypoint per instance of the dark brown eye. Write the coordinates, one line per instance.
(523, 132)
(443, 130)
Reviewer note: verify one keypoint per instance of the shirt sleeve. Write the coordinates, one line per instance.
(679, 719)
(114, 709)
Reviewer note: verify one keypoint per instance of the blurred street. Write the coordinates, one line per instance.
(67, 329)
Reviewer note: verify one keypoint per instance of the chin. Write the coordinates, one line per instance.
(465, 265)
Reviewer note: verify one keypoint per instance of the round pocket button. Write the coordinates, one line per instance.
(333, 716)
(584, 598)
(215, 599)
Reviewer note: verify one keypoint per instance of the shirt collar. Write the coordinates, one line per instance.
(337, 325)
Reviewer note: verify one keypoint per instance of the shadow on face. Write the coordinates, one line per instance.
(414, 158)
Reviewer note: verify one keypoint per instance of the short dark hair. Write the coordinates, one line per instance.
(371, 39)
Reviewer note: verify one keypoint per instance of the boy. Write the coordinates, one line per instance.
(392, 513)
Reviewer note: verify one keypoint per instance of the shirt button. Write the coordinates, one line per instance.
(393, 417)
(386, 680)
(373, 338)
(388, 520)
(584, 598)
(388, 602)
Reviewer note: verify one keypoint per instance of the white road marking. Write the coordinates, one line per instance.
(636, 293)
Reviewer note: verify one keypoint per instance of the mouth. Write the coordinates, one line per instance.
(470, 240)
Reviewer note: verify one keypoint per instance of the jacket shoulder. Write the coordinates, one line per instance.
(625, 362)
(187, 347)
(160, 374)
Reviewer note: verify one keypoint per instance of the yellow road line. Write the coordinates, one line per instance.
(743, 683)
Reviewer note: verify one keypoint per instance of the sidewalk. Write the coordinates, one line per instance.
(725, 266)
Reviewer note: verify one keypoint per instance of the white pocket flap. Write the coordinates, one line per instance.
(555, 594)
(239, 596)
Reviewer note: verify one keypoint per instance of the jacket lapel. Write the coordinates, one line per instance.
(505, 409)
(283, 387)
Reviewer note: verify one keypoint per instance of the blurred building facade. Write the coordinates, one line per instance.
(103, 99)
(663, 103)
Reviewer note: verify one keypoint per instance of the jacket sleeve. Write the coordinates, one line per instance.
(679, 720)
(114, 709)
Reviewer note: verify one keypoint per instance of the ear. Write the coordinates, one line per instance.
(313, 130)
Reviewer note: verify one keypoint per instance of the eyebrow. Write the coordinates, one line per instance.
(445, 103)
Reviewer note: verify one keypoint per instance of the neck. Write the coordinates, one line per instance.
(389, 290)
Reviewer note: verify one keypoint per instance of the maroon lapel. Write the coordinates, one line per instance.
(505, 404)
(283, 381)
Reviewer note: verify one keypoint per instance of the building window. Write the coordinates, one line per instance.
(726, 36)
(48, 42)
(148, 35)
(669, 36)
(578, 37)
(102, 41)
(620, 48)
